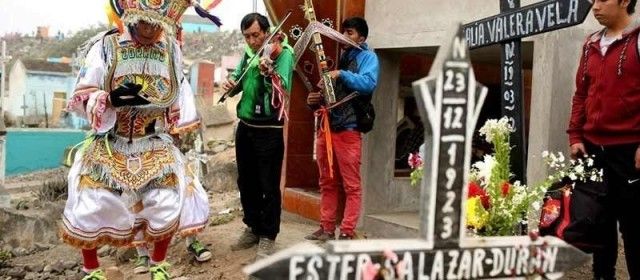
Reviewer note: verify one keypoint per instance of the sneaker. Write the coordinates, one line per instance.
(344, 236)
(97, 274)
(266, 247)
(247, 240)
(321, 235)
(198, 250)
(160, 271)
(142, 265)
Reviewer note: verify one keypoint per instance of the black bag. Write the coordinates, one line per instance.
(577, 215)
(365, 114)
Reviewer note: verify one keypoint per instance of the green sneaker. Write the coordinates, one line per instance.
(159, 271)
(198, 250)
(142, 265)
(97, 274)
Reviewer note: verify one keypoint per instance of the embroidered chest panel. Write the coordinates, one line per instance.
(150, 66)
(134, 123)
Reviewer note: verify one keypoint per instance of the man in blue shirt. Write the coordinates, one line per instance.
(338, 144)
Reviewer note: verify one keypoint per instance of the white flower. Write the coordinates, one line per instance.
(536, 205)
(579, 169)
(493, 127)
(589, 162)
(484, 168)
(560, 157)
(573, 176)
(545, 154)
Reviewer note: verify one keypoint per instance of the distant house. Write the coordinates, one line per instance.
(196, 24)
(227, 64)
(36, 87)
(202, 77)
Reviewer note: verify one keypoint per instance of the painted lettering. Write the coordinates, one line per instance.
(437, 268)
(333, 264)
(498, 262)
(550, 15)
(478, 267)
(529, 21)
(314, 263)
(294, 269)
(464, 270)
(346, 267)
(453, 264)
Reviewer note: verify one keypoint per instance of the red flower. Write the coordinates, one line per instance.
(415, 160)
(476, 191)
(506, 187)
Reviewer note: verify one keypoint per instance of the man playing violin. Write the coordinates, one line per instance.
(259, 136)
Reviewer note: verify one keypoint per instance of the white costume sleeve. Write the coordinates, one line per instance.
(187, 103)
(89, 98)
(188, 116)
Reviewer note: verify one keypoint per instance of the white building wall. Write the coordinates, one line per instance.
(17, 87)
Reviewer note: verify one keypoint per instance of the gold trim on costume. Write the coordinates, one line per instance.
(86, 182)
(170, 180)
(150, 164)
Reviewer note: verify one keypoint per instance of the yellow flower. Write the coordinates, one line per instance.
(477, 216)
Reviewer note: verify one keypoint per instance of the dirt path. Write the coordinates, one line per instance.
(225, 264)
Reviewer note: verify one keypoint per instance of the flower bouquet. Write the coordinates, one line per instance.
(495, 205)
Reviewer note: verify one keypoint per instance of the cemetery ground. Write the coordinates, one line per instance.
(42, 256)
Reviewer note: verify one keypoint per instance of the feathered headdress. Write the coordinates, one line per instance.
(166, 13)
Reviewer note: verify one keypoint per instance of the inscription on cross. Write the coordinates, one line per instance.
(450, 100)
(507, 28)
(512, 101)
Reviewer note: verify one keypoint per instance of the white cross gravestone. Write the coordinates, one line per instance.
(450, 100)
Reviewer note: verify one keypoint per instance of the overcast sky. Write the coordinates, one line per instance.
(70, 15)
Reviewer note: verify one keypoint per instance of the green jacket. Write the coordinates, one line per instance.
(255, 103)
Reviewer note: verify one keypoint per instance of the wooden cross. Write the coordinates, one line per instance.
(507, 28)
(450, 101)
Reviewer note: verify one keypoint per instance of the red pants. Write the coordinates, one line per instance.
(346, 174)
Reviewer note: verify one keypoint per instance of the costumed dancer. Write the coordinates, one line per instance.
(195, 210)
(128, 176)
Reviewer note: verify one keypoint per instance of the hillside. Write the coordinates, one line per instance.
(198, 46)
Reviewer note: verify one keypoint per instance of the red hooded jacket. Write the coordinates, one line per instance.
(606, 104)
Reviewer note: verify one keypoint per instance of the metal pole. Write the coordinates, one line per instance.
(5, 200)
(46, 114)
(3, 60)
(255, 6)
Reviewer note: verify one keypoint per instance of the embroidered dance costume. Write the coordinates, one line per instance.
(128, 177)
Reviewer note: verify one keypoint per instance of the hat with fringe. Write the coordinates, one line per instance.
(166, 13)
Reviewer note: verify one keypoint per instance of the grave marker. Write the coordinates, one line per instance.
(450, 100)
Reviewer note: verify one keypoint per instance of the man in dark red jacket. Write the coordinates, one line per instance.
(605, 122)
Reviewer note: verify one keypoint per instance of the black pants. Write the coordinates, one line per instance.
(623, 197)
(259, 153)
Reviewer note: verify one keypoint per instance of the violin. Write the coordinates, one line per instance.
(274, 47)
(272, 50)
